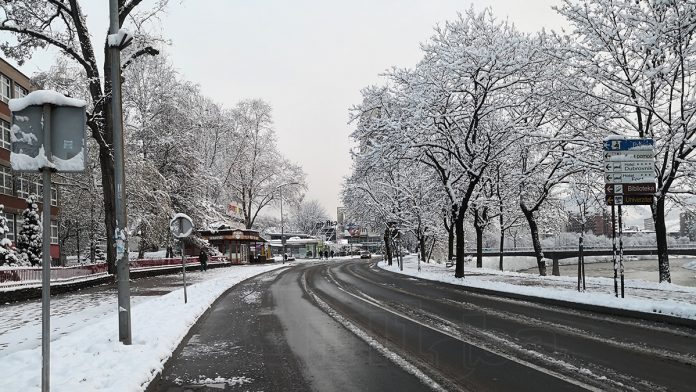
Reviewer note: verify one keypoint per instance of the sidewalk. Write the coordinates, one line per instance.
(84, 332)
(641, 296)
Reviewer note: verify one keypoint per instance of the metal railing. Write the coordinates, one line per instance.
(29, 276)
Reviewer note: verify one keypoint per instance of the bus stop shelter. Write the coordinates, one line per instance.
(240, 246)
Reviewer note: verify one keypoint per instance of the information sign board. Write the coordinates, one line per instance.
(629, 200)
(646, 166)
(629, 178)
(629, 171)
(630, 189)
(67, 131)
(613, 156)
(628, 144)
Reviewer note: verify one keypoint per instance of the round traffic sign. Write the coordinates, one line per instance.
(181, 226)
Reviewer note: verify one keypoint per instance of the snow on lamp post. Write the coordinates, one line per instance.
(47, 135)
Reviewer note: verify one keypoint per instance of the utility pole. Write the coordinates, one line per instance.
(46, 258)
(282, 227)
(120, 235)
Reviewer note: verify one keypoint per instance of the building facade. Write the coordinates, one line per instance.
(15, 187)
(649, 224)
(598, 224)
(687, 225)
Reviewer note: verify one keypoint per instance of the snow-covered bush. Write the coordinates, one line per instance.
(7, 253)
(29, 238)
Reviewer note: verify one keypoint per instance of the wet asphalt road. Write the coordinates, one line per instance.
(273, 333)
(264, 335)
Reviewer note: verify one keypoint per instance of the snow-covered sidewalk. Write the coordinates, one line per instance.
(85, 352)
(642, 296)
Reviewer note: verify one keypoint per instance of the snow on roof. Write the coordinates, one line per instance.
(42, 97)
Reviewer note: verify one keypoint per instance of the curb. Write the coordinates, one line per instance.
(634, 314)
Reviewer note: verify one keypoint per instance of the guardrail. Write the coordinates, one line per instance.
(29, 276)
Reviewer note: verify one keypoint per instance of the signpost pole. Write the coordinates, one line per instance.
(183, 266)
(46, 258)
(579, 261)
(629, 172)
(582, 260)
(181, 227)
(621, 265)
(613, 248)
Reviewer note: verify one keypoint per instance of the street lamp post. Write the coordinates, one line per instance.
(282, 226)
(120, 235)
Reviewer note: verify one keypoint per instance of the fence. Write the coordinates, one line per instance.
(30, 276)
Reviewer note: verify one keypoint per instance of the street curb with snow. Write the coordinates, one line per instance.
(667, 311)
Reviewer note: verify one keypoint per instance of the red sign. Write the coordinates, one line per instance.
(630, 189)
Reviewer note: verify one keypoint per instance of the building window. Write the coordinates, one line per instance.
(5, 180)
(5, 92)
(54, 196)
(26, 187)
(54, 232)
(10, 227)
(19, 91)
(5, 129)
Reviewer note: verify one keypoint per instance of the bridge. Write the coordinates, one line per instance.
(568, 252)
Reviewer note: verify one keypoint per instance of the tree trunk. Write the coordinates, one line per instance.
(106, 163)
(107, 173)
(534, 231)
(387, 247)
(459, 226)
(450, 243)
(450, 236)
(658, 212)
(479, 246)
(423, 250)
(502, 244)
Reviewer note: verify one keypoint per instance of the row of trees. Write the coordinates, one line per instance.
(184, 152)
(498, 127)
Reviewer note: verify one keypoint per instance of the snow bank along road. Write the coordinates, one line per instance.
(275, 333)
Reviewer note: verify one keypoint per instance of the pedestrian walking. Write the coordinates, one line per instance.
(203, 259)
(326, 254)
(332, 253)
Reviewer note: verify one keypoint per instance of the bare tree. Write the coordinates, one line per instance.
(306, 214)
(61, 24)
(641, 54)
(258, 171)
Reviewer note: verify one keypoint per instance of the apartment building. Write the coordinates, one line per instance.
(15, 187)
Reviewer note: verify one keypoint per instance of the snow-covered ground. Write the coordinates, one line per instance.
(85, 352)
(643, 296)
(87, 356)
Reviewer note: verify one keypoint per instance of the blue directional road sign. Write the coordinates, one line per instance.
(628, 144)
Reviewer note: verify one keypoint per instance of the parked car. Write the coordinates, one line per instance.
(365, 254)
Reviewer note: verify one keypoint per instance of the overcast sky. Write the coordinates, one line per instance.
(308, 58)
